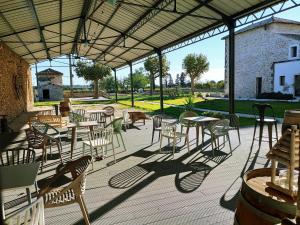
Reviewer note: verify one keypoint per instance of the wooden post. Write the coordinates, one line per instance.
(71, 77)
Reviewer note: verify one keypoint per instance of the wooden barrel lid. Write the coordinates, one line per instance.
(255, 190)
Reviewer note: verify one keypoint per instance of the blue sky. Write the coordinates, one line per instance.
(213, 48)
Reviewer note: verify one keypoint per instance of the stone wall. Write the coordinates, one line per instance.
(255, 52)
(15, 83)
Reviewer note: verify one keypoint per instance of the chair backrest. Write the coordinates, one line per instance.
(54, 120)
(117, 124)
(109, 111)
(101, 136)
(168, 129)
(16, 157)
(156, 121)
(78, 169)
(32, 214)
(259, 110)
(39, 126)
(80, 111)
(75, 117)
(186, 114)
(99, 117)
(218, 126)
(234, 120)
(35, 138)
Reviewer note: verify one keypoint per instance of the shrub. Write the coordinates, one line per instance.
(213, 114)
(189, 103)
(275, 95)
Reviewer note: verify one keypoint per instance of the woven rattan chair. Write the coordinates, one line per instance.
(168, 130)
(71, 192)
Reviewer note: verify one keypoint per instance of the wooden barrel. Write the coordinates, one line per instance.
(259, 204)
(291, 117)
(64, 108)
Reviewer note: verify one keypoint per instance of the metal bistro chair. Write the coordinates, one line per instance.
(76, 118)
(260, 110)
(59, 195)
(156, 126)
(168, 130)
(99, 138)
(116, 124)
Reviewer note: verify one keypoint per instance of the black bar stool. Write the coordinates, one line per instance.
(259, 110)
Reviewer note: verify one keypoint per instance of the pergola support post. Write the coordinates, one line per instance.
(116, 85)
(131, 85)
(36, 75)
(161, 94)
(231, 62)
(71, 77)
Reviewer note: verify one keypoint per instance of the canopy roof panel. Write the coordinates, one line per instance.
(112, 34)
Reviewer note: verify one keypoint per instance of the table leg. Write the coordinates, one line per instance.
(73, 140)
(270, 134)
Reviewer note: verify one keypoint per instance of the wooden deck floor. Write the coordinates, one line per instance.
(145, 187)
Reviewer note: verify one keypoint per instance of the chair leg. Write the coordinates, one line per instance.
(152, 136)
(270, 134)
(59, 150)
(113, 149)
(160, 143)
(238, 132)
(276, 130)
(188, 143)
(117, 140)
(174, 145)
(228, 138)
(83, 149)
(122, 141)
(83, 210)
(28, 193)
(91, 150)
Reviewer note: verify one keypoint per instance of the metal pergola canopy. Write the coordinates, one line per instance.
(116, 33)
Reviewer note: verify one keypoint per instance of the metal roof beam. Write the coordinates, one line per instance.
(60, 24)
(203, 3)
(13, 30)
(31, 29)
(84, 13)
(109, 53)
(39, 27)
(120, 32)
(148, 15)
(103, 28)
(169, 11)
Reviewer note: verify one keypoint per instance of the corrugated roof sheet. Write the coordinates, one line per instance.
(119, 33)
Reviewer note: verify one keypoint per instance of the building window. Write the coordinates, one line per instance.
(293, 51)
(282, 80)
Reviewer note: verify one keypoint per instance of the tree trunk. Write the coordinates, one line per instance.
(151, 84)
(96, 89)
(192, 86)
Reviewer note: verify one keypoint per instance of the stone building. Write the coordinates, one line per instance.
(16, 94)
(257, 48)
(50, 85)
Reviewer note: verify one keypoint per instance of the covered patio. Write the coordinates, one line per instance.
(144, 186)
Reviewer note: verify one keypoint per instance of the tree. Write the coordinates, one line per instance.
(92, 72)
(108, 83)
(182, 79)
(171, 82)
(195, 66)
(177, 81)
(139, 79)
(151, 65)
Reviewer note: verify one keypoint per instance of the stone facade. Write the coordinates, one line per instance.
(50, 85)
(255, 52)
(16, 94)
